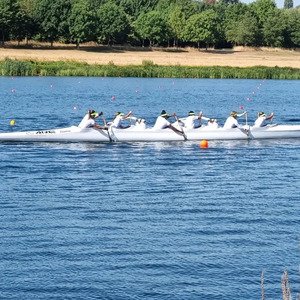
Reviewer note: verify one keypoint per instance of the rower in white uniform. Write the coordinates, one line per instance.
(262, 118)
(88, 120)
(162, 122)
(232, 121)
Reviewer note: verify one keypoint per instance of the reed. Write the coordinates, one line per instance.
(286, 293)
(10, 67)
(262, 285)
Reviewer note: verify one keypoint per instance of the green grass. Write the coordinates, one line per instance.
(10, 67)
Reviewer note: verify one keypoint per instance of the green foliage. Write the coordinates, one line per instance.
(10, 67)
(189, 7)
(81, 22)
(263, 9)
(230, 1)
(201, 27)
(147, 63)
(220, 40)
(293, 27)
(9, 10)
(112, 24)
(243, 31)
(273, 30)
(151, 26)
(159, 22)
(234, 12)
(136, 7)
(52, 17)
(177, 22)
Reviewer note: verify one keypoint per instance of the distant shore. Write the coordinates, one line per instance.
(124, 56)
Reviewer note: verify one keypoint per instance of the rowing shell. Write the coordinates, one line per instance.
(135, 134)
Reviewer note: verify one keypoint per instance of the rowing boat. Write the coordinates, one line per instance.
(137, 134)
(68, 134)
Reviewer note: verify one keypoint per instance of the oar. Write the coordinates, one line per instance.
(245, 131)
(105, 124)
(179, 131)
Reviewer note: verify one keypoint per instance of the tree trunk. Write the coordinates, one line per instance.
(2, 41)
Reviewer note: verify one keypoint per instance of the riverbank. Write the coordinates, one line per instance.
(10, 67)
(124, 56)
(65, 60)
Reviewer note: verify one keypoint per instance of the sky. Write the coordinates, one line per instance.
(279, 3)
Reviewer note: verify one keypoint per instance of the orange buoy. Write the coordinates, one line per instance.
(204, 144)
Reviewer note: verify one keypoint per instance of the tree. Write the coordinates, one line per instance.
(22, 27)
(9, 9)
(238, 27)
(112, 23)
(288, 4)
(27, 27)
(136, 7)
(243, 31)
(292, 36)
(177, 23)
(273, 30)
(233, 12)
(263, 9)
(189, 7)
(201, 28)
(151, 26)
(81, 22)
(53, 17)
(220, 9)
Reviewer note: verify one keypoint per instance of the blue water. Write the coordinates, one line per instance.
(147, 220)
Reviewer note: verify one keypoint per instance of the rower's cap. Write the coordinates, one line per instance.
(118, 113)
(94, 114)
(164, 114)
(261, 114)
(191, 113)
(233, 114)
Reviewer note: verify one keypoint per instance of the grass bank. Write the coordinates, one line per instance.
(11, 67)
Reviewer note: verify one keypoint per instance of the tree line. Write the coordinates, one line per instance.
(178, 23)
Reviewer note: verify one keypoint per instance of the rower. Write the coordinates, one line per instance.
(139, 123)
(119, 117)
(232, 121)
(262, 118)
(88, 120)
(212, 123)
(194, 121)
(191, 121)
(162, 122)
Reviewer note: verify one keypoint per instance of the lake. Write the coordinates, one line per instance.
(147, 220)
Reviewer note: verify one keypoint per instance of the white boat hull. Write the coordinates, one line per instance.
(69, 134)
(133, 134)
(206, 133)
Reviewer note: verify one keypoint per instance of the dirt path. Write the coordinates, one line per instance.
(239, 57)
